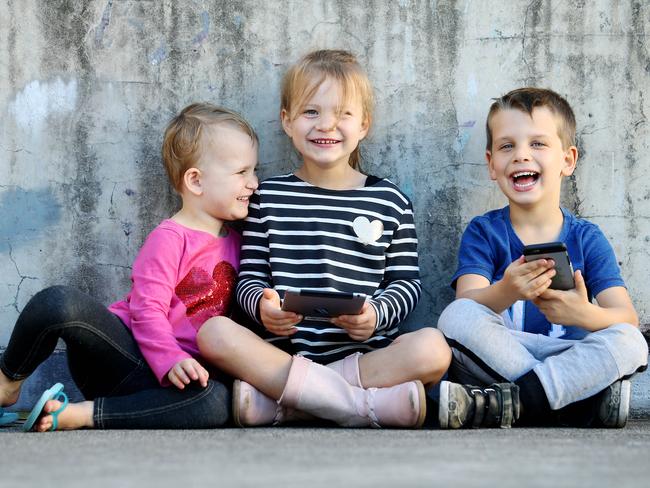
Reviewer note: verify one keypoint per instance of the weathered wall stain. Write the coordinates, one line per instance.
(103, 25)
(26, 215)
(87, 88)
(38, 101)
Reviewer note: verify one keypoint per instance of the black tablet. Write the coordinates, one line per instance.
(322, 305)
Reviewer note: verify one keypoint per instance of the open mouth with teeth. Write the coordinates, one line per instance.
(324, 142)
(524, 180)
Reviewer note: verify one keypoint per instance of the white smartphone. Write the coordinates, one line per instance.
(322, 305)
(563, 279)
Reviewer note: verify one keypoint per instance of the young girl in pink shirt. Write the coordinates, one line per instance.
(137, 362)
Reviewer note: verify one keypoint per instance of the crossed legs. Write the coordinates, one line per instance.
(421, 355)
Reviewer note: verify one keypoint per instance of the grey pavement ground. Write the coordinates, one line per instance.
(324, 456)
(316, 457)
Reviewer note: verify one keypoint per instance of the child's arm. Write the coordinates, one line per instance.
(572, 307)
(154, 278)
(401, 285)
(254, 292)
(521, 281)
(254, 266)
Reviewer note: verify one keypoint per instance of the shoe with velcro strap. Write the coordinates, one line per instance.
(496, 405)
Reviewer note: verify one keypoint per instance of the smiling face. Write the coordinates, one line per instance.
(226, 172)
(327, 129)
(527, 159)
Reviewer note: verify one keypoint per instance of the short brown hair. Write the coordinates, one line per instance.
(182, 140)
(304, 78)
(528, 98)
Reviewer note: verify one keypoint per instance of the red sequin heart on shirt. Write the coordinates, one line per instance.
(207, 296)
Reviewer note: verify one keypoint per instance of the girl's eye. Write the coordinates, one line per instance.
(537, 144)
(506, 147)
(310, 112)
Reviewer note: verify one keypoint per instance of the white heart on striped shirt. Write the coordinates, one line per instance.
(367, 231)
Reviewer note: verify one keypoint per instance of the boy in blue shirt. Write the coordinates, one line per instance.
(549, 357)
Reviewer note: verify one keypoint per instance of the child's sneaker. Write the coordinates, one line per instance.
(496, 405)
(614, 404)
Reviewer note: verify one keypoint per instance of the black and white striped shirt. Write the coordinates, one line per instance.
(356, 241)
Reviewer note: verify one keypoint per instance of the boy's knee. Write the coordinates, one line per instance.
(627, 346)
(631, 340)
(454, 316)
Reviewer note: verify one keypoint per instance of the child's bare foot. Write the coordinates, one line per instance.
(74, 416)
(9, 390)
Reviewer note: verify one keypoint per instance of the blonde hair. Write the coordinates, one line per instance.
(182, 141)
(304, 78)
(526, 99)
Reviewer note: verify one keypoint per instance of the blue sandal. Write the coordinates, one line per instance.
(7, 418)
(54, 393)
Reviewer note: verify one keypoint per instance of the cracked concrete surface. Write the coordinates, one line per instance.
(86, 89)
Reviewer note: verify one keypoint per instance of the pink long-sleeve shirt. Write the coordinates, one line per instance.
(181, 278)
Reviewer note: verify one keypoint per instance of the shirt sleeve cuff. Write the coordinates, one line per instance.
(378, 313)
(163, 367)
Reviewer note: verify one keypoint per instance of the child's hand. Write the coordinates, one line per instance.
(186, 371)
(276, 320)
(564, 307)
(359, 327)
(528, 280)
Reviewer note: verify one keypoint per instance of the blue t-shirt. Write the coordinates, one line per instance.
(489, 245)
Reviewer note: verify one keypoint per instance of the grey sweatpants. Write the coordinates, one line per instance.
(486, 351)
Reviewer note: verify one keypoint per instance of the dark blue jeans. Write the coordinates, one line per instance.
(107, 366)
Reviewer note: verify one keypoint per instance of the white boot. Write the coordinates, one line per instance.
(252, 408)
(348, 367)
(318, 390)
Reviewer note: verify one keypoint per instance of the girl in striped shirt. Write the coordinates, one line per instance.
(328, 227)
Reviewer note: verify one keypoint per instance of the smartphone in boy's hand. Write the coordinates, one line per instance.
(563, 279)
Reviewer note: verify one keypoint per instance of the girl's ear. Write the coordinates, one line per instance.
(192, 181)
(365, 127)
(286, 122)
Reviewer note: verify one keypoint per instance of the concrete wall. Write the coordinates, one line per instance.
(86, 88)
